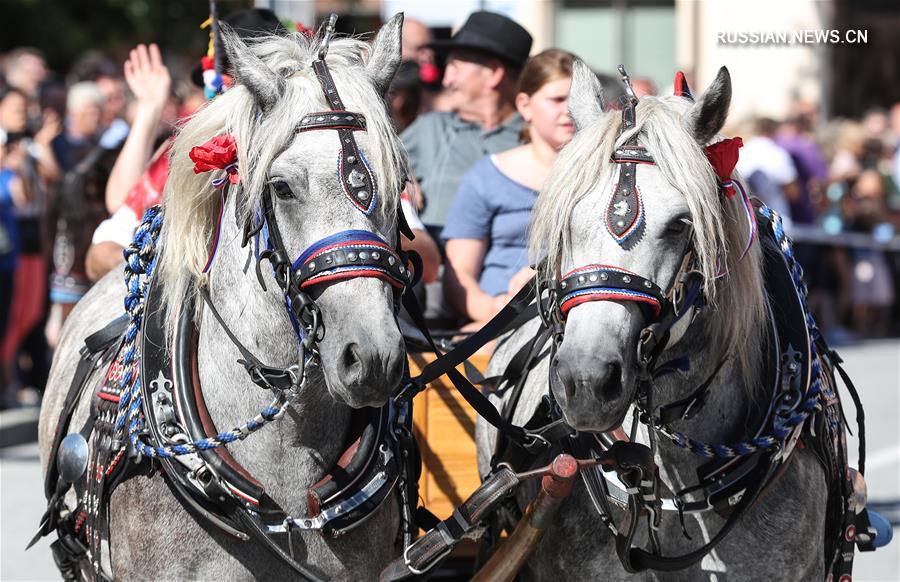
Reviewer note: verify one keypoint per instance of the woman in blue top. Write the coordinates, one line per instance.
(486, 231)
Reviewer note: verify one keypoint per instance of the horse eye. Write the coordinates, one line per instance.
(282, 190)
(678, 226)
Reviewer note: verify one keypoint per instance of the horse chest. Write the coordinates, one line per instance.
(152, 533)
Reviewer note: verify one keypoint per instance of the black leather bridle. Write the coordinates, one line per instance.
(597, 282)
(339, 257)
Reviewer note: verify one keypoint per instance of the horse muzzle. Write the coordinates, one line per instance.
(593, 393)
(366, 371)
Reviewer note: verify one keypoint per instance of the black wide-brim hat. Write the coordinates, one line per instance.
(492, 34)
(247, 23)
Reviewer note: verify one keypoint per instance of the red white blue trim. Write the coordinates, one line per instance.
(607, 294)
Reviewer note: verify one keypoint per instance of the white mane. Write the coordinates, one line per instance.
(192, 203)
(719, 229)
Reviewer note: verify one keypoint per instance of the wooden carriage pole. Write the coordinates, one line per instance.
(509, 558)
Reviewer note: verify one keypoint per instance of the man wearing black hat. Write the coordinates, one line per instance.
(483, 62)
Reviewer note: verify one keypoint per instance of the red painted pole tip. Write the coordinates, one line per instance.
(564, 466)
(559, 482)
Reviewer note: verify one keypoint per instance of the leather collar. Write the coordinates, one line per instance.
(169, 376)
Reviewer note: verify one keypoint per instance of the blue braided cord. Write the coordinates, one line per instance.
(140, 262)
(268, 414)
(782, 426)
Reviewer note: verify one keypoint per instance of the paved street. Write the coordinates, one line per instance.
(875, 367)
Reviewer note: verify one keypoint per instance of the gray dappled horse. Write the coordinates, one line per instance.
(362, 353)
(595, 377)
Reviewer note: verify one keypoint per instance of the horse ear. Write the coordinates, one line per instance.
(707, 117)
(264, 84)
(586, 102)
(384, 57)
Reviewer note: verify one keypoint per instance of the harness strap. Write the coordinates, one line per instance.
(517, 374)
(55, 488)
(625, 211)
(639, 559)
(860, 413)
(267, 377)
(429, 550)
(446, 364)
(519, 365)
(335, 119)
(349, 254)
(688, 407)
(256, 533)
(463, 350)
(103, 338)
(356, 177)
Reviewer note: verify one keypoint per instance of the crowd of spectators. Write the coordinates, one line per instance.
(81, 156)
(832, 181)
(60, 143)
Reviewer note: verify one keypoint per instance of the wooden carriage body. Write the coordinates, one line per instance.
(445, 430)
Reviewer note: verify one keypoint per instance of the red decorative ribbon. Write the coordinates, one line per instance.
(218, 153)
(723, 156)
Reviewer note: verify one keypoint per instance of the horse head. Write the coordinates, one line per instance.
(317, 203)
(632, 207)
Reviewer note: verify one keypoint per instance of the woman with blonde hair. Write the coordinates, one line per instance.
(486, 231)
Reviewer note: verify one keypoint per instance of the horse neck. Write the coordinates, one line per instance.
(289, 454)
(733, 409)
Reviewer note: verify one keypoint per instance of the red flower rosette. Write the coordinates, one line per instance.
(218, 153)
(723, 156)
(305, 30)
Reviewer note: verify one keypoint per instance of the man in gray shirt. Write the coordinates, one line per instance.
(483, 62)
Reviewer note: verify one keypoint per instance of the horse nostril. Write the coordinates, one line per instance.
(351, 365)
(610, 386)
(566, 376)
